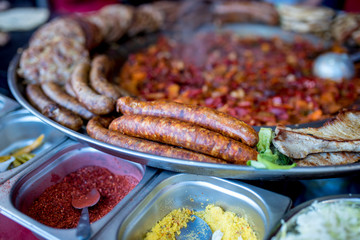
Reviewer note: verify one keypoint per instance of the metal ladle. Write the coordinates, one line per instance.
(83, 230)
(335, 66)
(196, 229)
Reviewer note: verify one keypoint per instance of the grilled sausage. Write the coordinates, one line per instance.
(56, 93)
(98, 104)
(69, 89)
(203, 116)
(184, 134)
(97, 128)
(100, 69)
(52, 110)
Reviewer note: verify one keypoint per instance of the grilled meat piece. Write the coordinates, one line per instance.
(341, 134)
(328, 159)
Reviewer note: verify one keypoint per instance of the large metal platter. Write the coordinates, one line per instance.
(178, 165)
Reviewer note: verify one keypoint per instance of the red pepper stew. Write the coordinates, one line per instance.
(53, 207)
(260, 81)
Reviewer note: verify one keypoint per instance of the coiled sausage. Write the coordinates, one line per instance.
(52, 110)
(56, 93)
(98, 104)
(100, 69)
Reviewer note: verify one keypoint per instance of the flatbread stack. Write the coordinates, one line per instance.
(306, 19)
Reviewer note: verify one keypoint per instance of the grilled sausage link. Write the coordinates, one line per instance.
(52, 110)
(100, 69)
(56, 93)
(203, 116)
(97, 128)
(98, 104)
(69, 89)
(184, 134)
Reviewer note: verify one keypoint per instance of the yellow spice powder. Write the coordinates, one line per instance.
(231, 225)
(170, 225)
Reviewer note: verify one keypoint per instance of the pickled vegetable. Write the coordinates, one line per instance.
(23, 154)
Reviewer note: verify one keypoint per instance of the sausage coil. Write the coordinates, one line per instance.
(100, 69)
(98, 104)
(56, 93)
(52, 110)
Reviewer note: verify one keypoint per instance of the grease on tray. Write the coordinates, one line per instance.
(232, 226)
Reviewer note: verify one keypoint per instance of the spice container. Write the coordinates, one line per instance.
(58, 163)
(168, 192)
(7, 105)
(19, 129)
(330, 217)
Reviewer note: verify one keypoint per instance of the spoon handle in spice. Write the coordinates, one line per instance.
(83, 230)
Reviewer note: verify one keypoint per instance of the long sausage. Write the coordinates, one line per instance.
(203, 116)
(56, 93)
(69, 89)
(97, 128)
(100, 69)
(184, 134)
(98, 104)
(52, 110)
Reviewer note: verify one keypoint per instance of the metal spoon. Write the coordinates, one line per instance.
(196, 229)
(83, 230)
(335, 66)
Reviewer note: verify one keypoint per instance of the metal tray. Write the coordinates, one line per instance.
(167, 192)
(291, 216)
(7, 105)
(17, 195)
(178, 165)
(18, 129)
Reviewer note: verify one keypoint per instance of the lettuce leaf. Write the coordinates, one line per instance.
(268, 158)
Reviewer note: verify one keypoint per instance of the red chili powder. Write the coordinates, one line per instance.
(53, 207)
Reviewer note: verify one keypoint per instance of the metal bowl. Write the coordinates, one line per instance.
(178, 165)
(289, 219)
(170, 191)
(15, 133)
(18, 195)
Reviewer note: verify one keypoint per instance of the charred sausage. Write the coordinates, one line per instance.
(98, 104)
(52, 110)
(56, 93)
(184, 134)
(97, 128)
(203, 116)
(100, 69)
